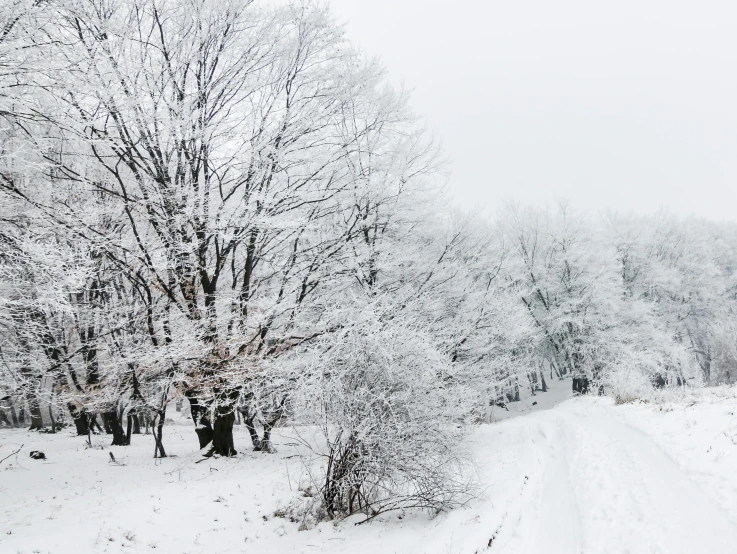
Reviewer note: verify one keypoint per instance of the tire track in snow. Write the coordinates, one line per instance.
(607, 488)
(557, 513)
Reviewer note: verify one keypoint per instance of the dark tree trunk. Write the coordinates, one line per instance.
(4, 418)
(222, 441)
(110, 419)
(201, 418)
(128, 428)
(266, 441)
(106, 422)
(14, 417)
(158, 435)
(37, 421)
(542, 381)
(94, 423)
(271, 419)
(268, 426)
(580, 385)
(80, 419)
(22, 416)
(249, 421)
(133, 426)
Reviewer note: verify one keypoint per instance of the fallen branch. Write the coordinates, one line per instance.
(11, 454)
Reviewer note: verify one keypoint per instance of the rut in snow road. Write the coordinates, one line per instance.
(605, 487)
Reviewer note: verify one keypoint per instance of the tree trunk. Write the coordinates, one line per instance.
(110, 419)
(106, 422)
(553, 366)
(266, 441)
(4, 418)
(274, 418)
(14, 417)
(80, 419)
(201, 419)
(158, 434)
(128, 428)
(37, 421)
(249, 421)
(136, 425)
(22, 416)
(542, 380)
(53, 422)
(222, 441)
(94, 423)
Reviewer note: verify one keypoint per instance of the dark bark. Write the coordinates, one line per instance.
(128, 428)
(222, 441)
(266, 440)
(110, 419)
(4, 418)
(249, 419)
(542, 381)
(14, 417)
(158, 435)
(269, 424)
(106, 423)
(201, 419)
(80, 419)
(94, 424)
(136, 425)
(22, 416)
(341, 466)
(580, 385)
(557, 372)
(37, 421)
(89, 353)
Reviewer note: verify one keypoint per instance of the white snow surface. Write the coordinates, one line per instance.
(582, 477)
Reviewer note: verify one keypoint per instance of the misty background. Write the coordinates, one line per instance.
(625, 105)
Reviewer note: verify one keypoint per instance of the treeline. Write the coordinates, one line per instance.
(225, 202)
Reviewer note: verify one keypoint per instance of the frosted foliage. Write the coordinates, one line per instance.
(389, 413)
(225, 207)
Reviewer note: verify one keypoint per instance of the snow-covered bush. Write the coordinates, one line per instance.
(386, 419)
(628, 384)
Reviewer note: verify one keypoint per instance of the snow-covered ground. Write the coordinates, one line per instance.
(585, 476)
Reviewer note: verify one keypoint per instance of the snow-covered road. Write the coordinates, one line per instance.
(603, 486)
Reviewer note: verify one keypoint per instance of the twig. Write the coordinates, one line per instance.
(11, 454)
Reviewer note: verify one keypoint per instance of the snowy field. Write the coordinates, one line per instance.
(584, 476)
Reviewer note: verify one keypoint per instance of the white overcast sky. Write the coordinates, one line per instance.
(623, 104)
